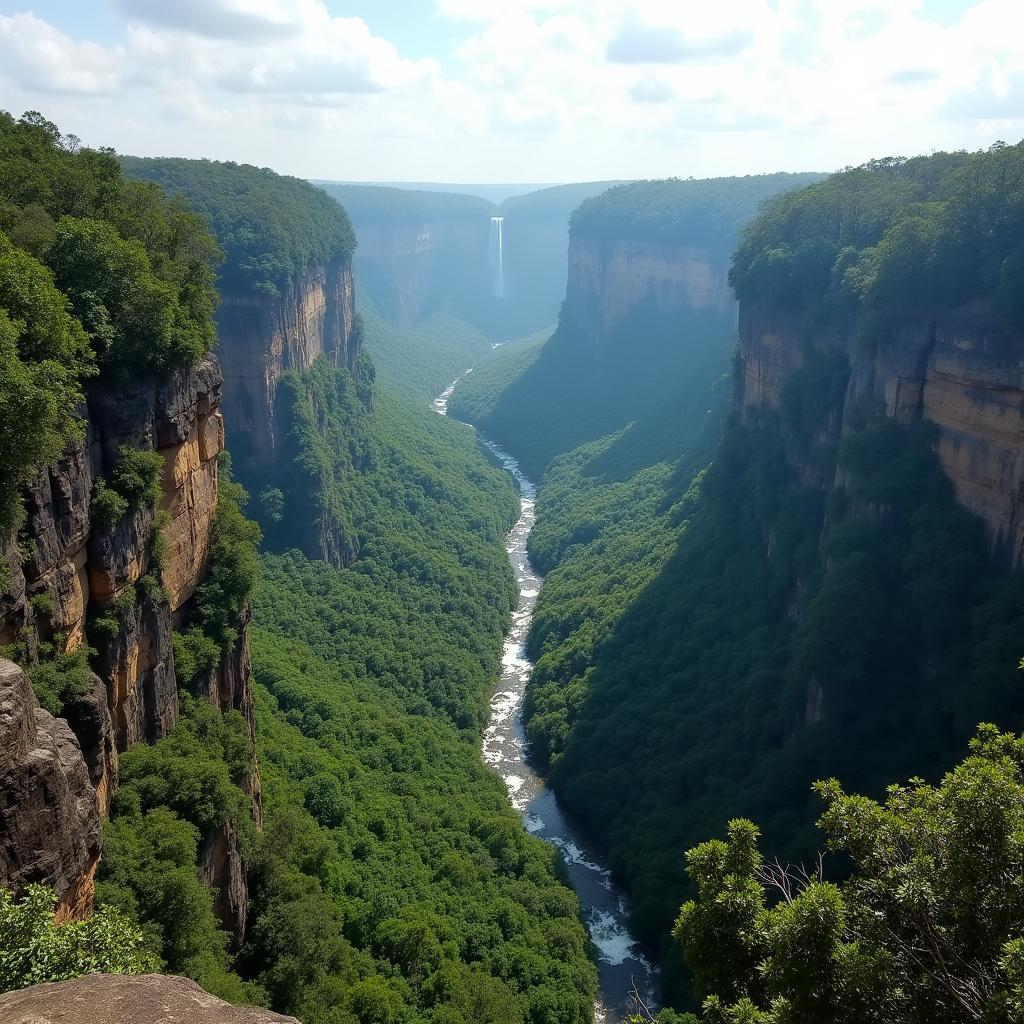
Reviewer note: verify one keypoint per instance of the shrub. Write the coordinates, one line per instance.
(62, 679)
(137, 477)
(107, 507)
(34, 949)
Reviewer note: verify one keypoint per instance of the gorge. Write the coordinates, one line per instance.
(624, 972)
(427, 738)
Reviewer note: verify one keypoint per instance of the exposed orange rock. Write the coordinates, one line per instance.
(261, 338)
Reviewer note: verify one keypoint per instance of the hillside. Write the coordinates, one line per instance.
(827, 603)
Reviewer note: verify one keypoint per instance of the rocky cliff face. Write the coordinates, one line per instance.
(49, 818)
(73, 580)
(261, 338)
(411, 268)
(963, 373)
(117, 999)
(609, 278)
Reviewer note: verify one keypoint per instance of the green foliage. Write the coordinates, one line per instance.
(137, 475)
(419, 361)
(41, 604)
(273, 228)
(708, 212)
(195, 656)
(924, 928)
(431, 516)
(43, 355)
(106, 508)
(232, 571)
(138, 268)
(171, 796)
(478, 392)
(34, 949)
(61, 679)
(893, 238)
(132, 267)
(136, 320)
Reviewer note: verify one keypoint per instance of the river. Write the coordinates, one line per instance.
(621, 964)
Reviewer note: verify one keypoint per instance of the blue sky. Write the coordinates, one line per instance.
(520, 90)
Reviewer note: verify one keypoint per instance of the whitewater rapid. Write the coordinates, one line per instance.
(621, 964)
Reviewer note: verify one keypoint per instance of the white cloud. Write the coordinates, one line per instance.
(42, 59)
(541, 89)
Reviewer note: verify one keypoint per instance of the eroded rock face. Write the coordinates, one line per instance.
(963, 373)
(607, 279)
(120, 999)
(49, 819)
(412, 267)
(261, 338)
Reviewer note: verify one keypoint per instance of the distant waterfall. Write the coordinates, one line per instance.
(498, 256)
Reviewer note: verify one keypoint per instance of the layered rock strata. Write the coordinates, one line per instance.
(964, 373)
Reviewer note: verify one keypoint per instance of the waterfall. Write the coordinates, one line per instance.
(498, 256)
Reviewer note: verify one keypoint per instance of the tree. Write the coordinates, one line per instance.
(34, 948)
(926, 928)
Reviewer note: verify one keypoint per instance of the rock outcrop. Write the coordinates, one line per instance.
(964, 373)
(72, 580)
(49, 818)
(607, 279)
(262, 337)
(122, 999)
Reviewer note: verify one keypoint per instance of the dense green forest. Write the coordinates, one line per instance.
(478, 392)
(706, 646)
(392, 881)
(420, 361)
(705, 212)
(272, 228)
(98, 275)
(893, 238)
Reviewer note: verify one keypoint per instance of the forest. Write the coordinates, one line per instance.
(392, 881)
(675, 686)
(272, 228)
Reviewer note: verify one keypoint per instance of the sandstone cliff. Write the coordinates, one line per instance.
(72, 580)
(964, 373)
(263, 337)
(607, 279)
(49, 819)
(118, 999)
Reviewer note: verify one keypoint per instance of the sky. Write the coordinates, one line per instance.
(520, 90)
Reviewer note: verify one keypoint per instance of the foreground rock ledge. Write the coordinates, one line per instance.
(120, 999)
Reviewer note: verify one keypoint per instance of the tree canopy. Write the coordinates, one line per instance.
(273, 228)
(98, 274)
(893, 238)
(706, 212)
(925, 927)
